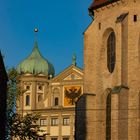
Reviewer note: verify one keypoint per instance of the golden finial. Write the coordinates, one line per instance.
(35, 30)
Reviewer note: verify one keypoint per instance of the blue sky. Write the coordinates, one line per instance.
(60, 23)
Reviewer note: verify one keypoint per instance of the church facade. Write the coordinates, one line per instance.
(53, 97)
(109, 108)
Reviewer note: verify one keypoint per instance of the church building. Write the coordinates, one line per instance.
(109, 108)
(53, 97)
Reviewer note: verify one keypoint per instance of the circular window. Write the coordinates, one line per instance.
(111, 52)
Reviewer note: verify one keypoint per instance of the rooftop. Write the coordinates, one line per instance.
(100, 3)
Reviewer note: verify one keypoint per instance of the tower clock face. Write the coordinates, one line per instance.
(111, 52)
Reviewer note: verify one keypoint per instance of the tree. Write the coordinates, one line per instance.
(18, 126)
(25, 127)
(72, 94)
(14, 91)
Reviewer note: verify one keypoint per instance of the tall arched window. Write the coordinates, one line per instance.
(56, 101)
(108, 117)
(111, 52)
(27, 100)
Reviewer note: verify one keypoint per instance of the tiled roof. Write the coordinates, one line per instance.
(99, 3)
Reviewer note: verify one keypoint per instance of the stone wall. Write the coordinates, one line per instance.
(123, 18)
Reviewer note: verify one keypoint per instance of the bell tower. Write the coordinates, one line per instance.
(34, 75)
(111, 101)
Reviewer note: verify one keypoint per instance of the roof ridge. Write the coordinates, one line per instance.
(99, 3)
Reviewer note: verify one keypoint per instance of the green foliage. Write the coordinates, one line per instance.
(22, 127)
(13, 91)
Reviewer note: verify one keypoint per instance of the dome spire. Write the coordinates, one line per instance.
(36, 44)
(36, 31)
(35, 63)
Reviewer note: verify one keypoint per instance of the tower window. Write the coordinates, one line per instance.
(135, 18)
(27, 100)
(40, 87)
(56, 101)
(40, 98)
(111, 52)
(27, 87)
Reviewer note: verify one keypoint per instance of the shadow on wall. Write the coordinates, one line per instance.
(116, 115)
(80, 118)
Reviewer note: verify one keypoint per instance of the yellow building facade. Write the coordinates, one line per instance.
(53, 97)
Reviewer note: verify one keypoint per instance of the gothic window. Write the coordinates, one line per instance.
(108, 117)
(111, 52)
(56, 101)
(27, 100)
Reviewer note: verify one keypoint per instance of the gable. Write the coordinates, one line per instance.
(71, 73)
(73, 76)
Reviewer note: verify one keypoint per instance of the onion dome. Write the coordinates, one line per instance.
(35, 63)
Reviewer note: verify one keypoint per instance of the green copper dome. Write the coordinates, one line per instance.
(36, 64)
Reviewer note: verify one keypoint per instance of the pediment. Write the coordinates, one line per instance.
(73, 76)
(70, 73)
